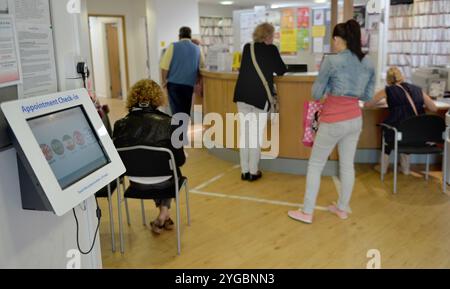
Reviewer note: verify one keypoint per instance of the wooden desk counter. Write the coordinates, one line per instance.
(293, 91)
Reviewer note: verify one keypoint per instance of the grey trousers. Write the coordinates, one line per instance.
(346, 135)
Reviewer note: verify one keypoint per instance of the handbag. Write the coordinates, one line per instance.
(273, 99)
(311, 115)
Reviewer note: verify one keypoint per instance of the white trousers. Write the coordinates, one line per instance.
(253, 122)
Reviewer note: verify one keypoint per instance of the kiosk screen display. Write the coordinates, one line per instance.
(69, 144)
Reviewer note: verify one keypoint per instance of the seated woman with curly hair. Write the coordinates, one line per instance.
(146, 125)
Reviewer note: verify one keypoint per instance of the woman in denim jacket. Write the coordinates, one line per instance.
(344, 79)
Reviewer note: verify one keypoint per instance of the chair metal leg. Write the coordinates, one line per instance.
(177, 199)
(383, 143)
(444, 168)
(395, 170)
(127, 210)
(119, 209)
(144, 222)
(111, 220)
(126, 203)
(427, 168)
(186, 188)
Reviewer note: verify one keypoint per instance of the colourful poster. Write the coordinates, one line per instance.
(303, 40)
(319, 31)
(319, 17)
(288, 19)
(303, 18)
(288, 41)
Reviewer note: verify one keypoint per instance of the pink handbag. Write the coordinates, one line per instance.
(311, 116)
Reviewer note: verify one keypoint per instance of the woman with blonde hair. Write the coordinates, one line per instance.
(252, 96)
(146, 125)
(404, 100)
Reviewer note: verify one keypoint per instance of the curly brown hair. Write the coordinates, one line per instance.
(145, 91)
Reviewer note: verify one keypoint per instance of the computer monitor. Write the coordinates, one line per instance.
(65, 154)
(297, 68)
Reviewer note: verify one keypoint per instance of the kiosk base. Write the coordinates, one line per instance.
(32, 199)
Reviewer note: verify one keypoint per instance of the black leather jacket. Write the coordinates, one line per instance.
(147, 126)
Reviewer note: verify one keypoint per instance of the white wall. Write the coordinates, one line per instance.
(165, 17)
(39, 239)
(100, 52)
(134, 12)
(216, 10)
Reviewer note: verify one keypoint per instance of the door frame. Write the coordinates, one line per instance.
(124, 36)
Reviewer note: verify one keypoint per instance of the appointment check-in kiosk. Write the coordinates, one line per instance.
(64, 151)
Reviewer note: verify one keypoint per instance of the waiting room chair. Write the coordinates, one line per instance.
(107, 192)
(418, 135)
(146, 162)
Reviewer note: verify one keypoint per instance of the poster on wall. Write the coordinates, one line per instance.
(274, 18)
(247, 21)
(288, 19)
(359, 14)
(35, 38)
(303, 17)
(303, 39)
(288, 41)
(288, 45)
(10, 73)
(318, 17)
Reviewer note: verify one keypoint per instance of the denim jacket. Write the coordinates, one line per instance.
(344, 75)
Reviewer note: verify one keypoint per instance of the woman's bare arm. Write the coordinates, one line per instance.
(429, 103)
(380, 95)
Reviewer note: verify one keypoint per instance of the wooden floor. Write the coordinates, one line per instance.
(238, 224)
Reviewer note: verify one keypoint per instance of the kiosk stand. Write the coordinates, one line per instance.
(65, 154)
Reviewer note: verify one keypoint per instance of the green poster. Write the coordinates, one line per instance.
(303, 40)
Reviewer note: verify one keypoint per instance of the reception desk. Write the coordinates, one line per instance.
(293, 90)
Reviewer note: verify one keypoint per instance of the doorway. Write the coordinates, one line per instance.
(109, 55)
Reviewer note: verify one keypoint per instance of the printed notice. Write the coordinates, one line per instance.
(38, 60)
(35, 38)
(318, 45)
(31, 11)
(9, 56)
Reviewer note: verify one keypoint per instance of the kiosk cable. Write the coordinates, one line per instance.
(99, 215)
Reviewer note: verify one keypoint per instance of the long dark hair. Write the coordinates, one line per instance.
(350, 31)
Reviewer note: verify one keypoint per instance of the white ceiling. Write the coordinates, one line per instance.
(250, 3)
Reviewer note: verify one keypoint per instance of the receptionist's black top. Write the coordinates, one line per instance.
(249, 88)
(399, 106)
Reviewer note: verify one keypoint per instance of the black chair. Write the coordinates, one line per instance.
(146, 161)
(418, 135)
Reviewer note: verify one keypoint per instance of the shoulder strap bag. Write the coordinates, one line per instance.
(274, 105)
(408, 96)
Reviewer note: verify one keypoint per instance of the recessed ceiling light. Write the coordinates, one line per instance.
(320, 1)
(226, 2)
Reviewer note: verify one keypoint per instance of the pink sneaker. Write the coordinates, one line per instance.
(300, 216)
(341, 214)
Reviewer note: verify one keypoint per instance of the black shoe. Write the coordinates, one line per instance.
(255, 177)
(245, 177)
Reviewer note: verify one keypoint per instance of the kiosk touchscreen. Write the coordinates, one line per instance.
(65, 154)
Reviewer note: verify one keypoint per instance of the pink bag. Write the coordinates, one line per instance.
(311, 114)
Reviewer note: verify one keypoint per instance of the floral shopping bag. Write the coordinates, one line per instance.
(311, 116)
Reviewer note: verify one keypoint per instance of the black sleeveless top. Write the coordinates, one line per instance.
(399, 105)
